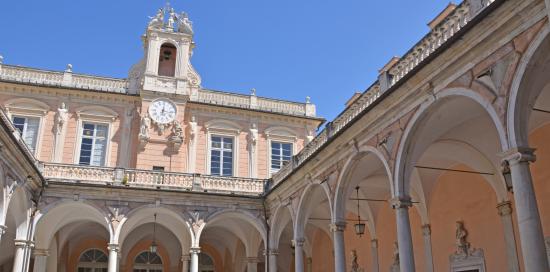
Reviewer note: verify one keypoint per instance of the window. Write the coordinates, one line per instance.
(281, 153)
(93, 144)
(28, 128)
(148, 262)
(221, 156)
(93, 260)
(158, 168)
(167, 60)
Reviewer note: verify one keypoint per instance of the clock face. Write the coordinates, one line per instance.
(162, 111)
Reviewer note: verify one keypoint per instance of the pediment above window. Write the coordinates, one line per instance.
(223, 126)
(26, 105)
(96, 112)
(281, 133)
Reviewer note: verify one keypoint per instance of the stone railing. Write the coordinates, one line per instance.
(254, 102)
(232, 185)
(62, 79)
(441, 33)
(78, 173)
(135, 178)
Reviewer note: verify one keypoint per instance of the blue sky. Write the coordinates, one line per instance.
(286, 49)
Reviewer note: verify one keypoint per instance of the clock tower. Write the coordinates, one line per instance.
(165, 80)
(166, 66)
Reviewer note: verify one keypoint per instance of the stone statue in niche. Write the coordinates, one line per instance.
(61, 118)
(157, 21)
(354, 263)
(461, 234)
(395, 259)
(193, 128)
(253, 134)
(144, 128)
(465, 258)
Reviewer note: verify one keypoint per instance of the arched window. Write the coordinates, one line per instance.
(148, 262)
(93, 260)
(206, 264)
(167, 60)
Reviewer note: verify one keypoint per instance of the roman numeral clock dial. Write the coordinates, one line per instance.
(162, 112)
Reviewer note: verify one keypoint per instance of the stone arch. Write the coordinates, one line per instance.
(19, 206)
(277, 226)
(53, 217)
(245, 216)
(305, 206)
(407, 153)
(526, 86)
(166, 216)
(343, 186)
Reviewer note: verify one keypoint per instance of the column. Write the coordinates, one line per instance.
(194, 252)
(374, 252)
(273, 253)
(185, 263)
(527, 212)
(404, 239)
(427, 234)
(299, 254)
(19, 256)
(337, 230)
(113, 257)
(251, 264)
(40, 260)
(505, 212)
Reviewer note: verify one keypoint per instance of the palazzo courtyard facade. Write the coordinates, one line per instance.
(442, 164)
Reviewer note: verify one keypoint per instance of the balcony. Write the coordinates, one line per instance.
(155, 180)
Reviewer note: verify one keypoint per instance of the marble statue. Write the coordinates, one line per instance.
(193, 128)
(61, 118)
(184, 24)
(157, 21)
(462, 246)
(354, 263)
(253, 134)
(144, 127)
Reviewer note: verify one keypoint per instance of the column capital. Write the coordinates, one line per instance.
(195, 250)
(298, 242)
(374, 243)
(3, 229)
(337, 227)
(273, 251)
(113, 247)
(519, 154)
(23, 243)
(40, 252)
(399, 202)
(426, 229)
(504, 208)
(252, 260)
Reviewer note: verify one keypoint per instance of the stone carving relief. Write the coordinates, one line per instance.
(172, 22)
(465, 257)
(177, 135)
(117, 213)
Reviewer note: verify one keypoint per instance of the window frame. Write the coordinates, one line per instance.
(280, 135)
(91, 115)
(227, 129)
(292, 152)
(29, 108)
(38, 130)
(107, 143)
(92, 265)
